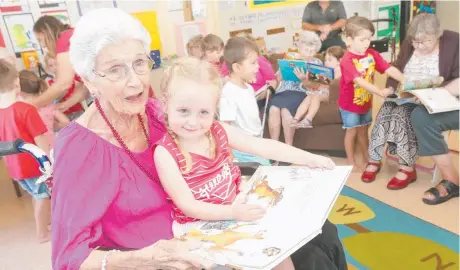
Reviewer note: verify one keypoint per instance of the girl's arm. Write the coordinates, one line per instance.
(61, 119)
(80, 93)
(272, 149)
(174, 184)
(64, 79)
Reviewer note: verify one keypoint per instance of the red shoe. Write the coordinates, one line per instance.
(396, 184)
(369, 177)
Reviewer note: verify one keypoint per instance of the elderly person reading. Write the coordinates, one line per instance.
(106, 194)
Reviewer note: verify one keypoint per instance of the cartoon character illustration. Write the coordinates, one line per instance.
(223, 239)
(262, 190)
(366, 67)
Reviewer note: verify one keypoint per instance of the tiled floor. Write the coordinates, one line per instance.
(19, 249)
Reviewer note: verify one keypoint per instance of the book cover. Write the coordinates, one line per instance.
(320, 74)
(298, 202)
(287, 67)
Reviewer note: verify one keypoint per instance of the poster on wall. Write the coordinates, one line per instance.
(423, 7)
(258, 4)
(186, 31)
(20, 31)
(61, 15)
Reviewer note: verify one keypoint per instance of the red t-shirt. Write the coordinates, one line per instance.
(212, 181)
(354, 98)
(63, 45)
(21, 121)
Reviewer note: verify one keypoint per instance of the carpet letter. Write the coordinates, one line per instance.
(439, 265)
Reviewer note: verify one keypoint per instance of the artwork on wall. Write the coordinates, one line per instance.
(149, 20)
(20, 31)
(30, 59)
(423, 7)
(61, 15)
(184, 32)
(257, 4)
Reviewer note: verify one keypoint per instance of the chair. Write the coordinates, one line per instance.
(434, 180)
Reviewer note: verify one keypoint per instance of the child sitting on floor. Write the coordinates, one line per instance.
(310, 105)
(192, 159)
(195, 47)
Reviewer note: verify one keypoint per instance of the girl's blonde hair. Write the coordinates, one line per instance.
(30, 83)
(193, 70)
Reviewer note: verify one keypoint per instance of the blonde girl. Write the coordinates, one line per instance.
(311, 104)
(193, 158)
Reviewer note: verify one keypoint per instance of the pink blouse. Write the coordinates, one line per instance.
(101, 198)
(264, 74)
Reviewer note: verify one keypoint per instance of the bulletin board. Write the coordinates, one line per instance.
(422, 7)
(149, 21)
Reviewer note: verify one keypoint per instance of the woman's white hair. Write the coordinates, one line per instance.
(99, 28)
(310, 39)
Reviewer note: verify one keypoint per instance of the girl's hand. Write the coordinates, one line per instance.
(168, 254)
(320, 162)
(300, 73)
(246, 212)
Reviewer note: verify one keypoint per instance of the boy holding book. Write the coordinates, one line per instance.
(358, 67)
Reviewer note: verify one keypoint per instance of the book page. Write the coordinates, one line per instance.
(298, 202)
(437, 100)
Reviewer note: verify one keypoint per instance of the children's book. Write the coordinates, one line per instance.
(287, 67)
(427, 91)
(262, 90)
(298, 202)
(320, 74)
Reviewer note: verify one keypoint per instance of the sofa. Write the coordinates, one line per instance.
(327, 133)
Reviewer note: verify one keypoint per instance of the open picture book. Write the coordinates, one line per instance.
(427, 91)
(298, 202)
(261, 90)
(315, 73)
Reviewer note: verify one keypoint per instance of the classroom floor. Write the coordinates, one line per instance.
(17, 233)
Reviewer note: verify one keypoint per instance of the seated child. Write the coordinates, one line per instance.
(19, 120)
(214, 52)
(358, 67)
(192, 159)
(31, 87)
(238, 104)
(290, 94)
(310, 105)
(195, 47)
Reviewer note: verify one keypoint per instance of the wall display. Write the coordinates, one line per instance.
(186, 31)
(2, 41)
(20, 31)
(423, 7)
(30, 59)
(258, 4)
(149, 21)
(61, 15)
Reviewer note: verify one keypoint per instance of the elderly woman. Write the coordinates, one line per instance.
(290, 94)
(426, 52)
(106, 194)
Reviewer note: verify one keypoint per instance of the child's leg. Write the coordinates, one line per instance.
(363, 142)
(314, 107)
(274, 122)
(349, 141)
(42, 219)
(288, 130)
(303, 108)
(286, 264)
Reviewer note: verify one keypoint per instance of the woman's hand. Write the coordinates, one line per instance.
(300, 73)
(166, 254)
(246, 212)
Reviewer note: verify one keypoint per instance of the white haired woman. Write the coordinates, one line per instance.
(290, 94)
(426, 52)
(106, 193)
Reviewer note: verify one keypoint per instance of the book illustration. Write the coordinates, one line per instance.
(298, 201)
(422, 84)
(320, 74)
(287, 67)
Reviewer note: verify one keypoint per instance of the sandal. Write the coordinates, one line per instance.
(369, 177)
(304, 123)
(452, 192)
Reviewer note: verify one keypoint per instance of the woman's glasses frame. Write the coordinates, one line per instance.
(139, 70)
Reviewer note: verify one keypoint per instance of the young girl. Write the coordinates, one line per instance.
(31, 87)
(193, 159)
(310, 105)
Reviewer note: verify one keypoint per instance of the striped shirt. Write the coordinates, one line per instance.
(210, 180)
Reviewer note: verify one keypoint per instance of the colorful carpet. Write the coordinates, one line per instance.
(379, 237)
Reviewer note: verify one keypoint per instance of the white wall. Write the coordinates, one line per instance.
(447, 12)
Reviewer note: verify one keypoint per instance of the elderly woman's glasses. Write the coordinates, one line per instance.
(140, 66)
(421, 42)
